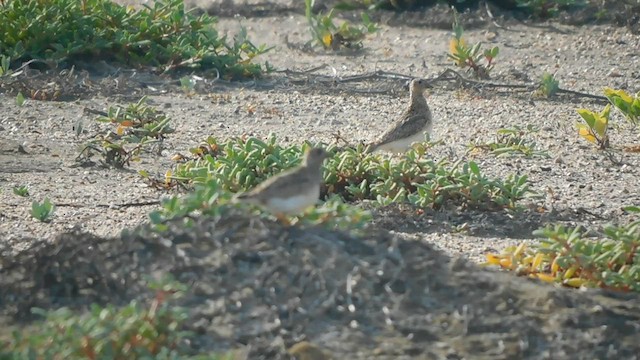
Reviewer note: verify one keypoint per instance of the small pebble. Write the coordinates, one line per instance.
(614, 73)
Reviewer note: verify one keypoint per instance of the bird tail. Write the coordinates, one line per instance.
(372, 147)
(243, 197)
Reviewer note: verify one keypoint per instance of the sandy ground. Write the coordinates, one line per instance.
(578, 184)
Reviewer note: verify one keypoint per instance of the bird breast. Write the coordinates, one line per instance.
(294, 204)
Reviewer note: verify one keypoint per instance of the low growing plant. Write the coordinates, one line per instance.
(326, 33)
(135, 331)
(628, 105)
(21, 191)
(470, 56)
(596, 127)
(163, 36)
(351, 174)
(212, 200)
(549, 85)
(137, 128)
(568, 257)
(512, 142)
(42, 211)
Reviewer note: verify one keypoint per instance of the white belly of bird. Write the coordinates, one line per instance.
(295, 204)
(402, 145)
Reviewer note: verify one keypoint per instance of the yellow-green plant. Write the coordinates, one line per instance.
(470, 56)
(628, 105)
(331, 36)
(595, 129)
(568, 257)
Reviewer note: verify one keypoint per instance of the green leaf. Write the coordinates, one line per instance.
(635, 209)
(475, 49)
(20, 99)
(588, 116)
(601, 122)
(605, 113)
(474, 168)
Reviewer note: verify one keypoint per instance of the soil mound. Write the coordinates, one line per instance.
(256, 284)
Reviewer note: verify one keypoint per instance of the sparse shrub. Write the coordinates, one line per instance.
(470, 56)
(137, 128)
(326, 33)
(596, 127)
(549, 85)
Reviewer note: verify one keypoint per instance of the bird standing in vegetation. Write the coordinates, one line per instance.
(414, 122)
(293, 190)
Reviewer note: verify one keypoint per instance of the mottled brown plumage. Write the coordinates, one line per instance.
(411, 126)
(293, 190)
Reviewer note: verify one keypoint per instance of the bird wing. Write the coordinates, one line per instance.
(408, 126)
(277, 184)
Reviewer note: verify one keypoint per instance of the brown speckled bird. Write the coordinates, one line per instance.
(293, 190)
(411, 126)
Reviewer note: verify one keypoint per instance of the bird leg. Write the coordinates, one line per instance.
(282, 218)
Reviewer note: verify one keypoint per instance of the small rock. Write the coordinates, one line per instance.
(490, 35)
(614, 73)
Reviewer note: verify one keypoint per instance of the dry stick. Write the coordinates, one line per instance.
(118, 206)
(581, 94)
(466, 82)
(450, 74)
(308, 71)
(355, 78)
(446, 75)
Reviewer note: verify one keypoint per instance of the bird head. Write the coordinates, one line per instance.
(417, 86)
(315, 156)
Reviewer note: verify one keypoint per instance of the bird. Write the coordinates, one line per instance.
(292, 191)
(411, 126)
